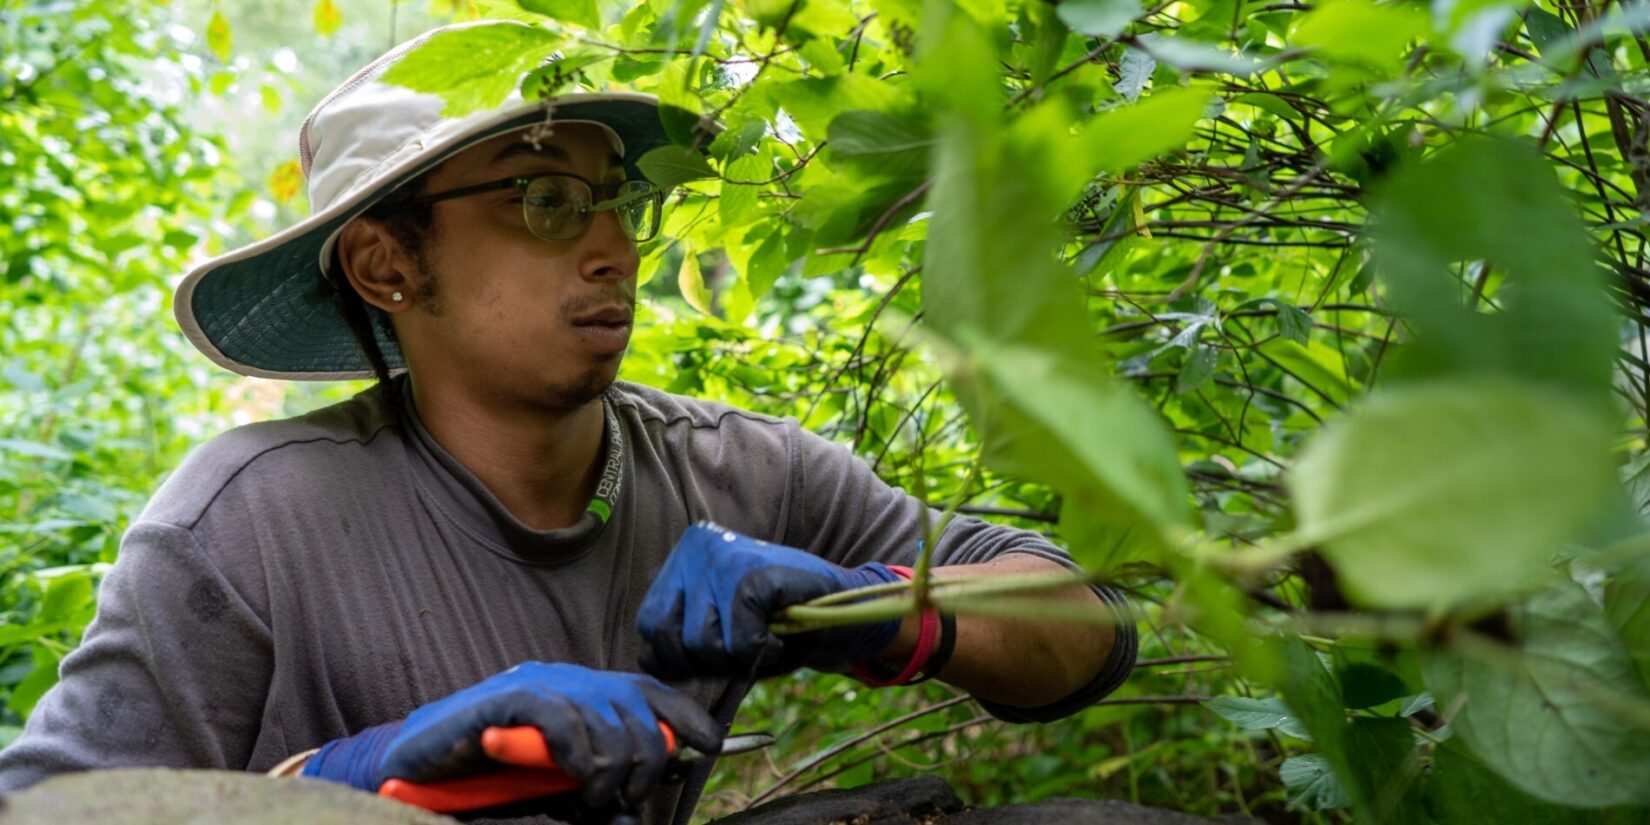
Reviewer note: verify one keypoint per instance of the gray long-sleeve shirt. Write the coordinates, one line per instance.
(301, 580)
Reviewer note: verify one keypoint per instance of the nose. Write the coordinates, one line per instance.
(607, 253)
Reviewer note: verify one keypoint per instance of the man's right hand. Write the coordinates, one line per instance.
(602, 728)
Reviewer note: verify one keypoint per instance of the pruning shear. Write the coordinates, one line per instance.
(531, 772)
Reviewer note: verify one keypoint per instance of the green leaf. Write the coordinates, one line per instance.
(892, 144)
(822, 56)
(1496, 476)
(1365, 685)
(1190, 55)
(218, 36)
(28, 692)
(1415, 704)
(671, 166)
(1563, 715)
(34, 449)
(813, 102)
(1361, 32)
(1545, 28)
(1048, 41)
(1134, 72)
(1293, 322)
(1196, 369)
(66, 595)
(1100, 18)
(578, 12)
(1259, 714)
(1627, 606)
(1463, 790)
(1125, 137)
(1313, 783)
(767, 262)
(738, 200)
(1315, 365)
(1373, 759)
(736, 141)
(476, 67)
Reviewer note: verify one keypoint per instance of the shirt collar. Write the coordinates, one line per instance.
(458, 494)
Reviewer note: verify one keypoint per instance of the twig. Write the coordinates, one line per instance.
(850, 743)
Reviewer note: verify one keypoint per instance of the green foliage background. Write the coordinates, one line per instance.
(1319, 326)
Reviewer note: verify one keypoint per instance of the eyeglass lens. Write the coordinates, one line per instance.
(560, 208)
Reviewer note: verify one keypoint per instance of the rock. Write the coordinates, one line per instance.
(158, 796)
(929, 801)
(1080, 812)
(921, 801)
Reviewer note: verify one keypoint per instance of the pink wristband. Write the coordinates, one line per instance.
(928, 633)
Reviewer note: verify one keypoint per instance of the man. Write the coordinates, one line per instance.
(485, 539)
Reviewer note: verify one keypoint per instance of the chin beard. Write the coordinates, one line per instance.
(582, 390)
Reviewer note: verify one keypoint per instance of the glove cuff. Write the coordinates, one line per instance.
(354, 760)
(872, 637)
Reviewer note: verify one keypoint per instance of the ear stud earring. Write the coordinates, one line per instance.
(395, 296)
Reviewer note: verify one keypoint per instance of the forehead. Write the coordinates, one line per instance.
(584, 148)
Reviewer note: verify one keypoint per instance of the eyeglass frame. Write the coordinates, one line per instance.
(521, 182)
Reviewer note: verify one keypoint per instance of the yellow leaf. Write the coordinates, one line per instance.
(737, 302)
(218, 37)
(692, 283)
(285, 181)
(327, 18)
(1140, 218)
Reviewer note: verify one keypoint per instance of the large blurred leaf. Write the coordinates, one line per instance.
(1102, 18)
(893, 144)
(1496, 201)
(1361, 32)
(1462, 790)
(1022, 356)
(1433, 494)
(476, 67)
(1061, 420)
(1130, 135)
(1561, 716)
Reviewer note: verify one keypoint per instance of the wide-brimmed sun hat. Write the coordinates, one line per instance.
(267, 309)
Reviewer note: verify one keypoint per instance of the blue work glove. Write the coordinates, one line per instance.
(707, 612)
(602, 728)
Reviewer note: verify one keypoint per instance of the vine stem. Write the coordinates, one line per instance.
(920, 585)
(887, 601)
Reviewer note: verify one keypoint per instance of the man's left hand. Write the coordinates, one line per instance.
(708, 611)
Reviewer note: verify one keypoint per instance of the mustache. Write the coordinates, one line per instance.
(574, 307)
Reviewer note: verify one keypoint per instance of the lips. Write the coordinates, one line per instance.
(608, 316)
(606, 329)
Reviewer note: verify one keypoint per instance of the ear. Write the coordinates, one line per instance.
(376, 265)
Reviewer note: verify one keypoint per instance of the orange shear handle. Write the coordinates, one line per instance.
(532, 772)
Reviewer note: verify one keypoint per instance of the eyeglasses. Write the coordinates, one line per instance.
(559, 206)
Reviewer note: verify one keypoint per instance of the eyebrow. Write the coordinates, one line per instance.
(543, 150)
